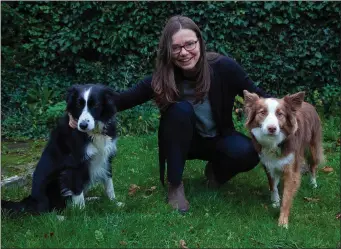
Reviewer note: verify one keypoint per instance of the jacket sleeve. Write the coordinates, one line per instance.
(241, 80)
(136, 95)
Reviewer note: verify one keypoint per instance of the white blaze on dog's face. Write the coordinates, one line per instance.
(270, 120)
(86, 121)
(270, 115)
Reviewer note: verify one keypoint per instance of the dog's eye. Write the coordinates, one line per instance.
(280, 114)
(262, 112)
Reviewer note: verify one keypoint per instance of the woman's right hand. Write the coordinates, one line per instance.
(72, 123)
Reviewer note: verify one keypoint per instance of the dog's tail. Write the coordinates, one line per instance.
(26, 206)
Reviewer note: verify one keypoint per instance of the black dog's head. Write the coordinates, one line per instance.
(93, 105)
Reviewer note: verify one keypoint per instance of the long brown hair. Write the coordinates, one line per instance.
(163, 82)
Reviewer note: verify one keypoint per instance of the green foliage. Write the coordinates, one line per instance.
(284, 46)
(139, 120)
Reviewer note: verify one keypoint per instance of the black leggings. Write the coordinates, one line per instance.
(179, 141)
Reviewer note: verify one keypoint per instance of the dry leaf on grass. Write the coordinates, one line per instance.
(183, 244)
(133, 188)
(327, 169)
(149, 192)
(311, 199)
(123, 243)
(152, 188)
(338, 216)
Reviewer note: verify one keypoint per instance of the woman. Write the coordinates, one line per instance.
(195, 93)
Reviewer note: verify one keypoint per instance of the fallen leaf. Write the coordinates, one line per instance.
(311, 199)
(123, 243)
(327, 169)
(133, 188)
(338, 216)
(152, 188)
(149, 192)
(183, 244)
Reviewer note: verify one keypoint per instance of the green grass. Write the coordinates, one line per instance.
(238, 215)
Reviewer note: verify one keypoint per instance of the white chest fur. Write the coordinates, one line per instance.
(99, 150)
(270, 154)
(273, 163)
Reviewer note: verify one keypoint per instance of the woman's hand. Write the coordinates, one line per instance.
(72, 123)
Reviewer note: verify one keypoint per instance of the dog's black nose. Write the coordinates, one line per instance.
(83, 125)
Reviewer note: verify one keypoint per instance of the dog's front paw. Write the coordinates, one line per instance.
(78, 201)
(275, 200)
(313, 182)
(117, 203)
(275, 204)
(283, 222)
(120, 204)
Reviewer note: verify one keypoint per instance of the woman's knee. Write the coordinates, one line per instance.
(239, 148)
(177, 123)
(180, 110)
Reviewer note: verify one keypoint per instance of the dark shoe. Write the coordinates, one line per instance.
(211, 180)
(177, 198)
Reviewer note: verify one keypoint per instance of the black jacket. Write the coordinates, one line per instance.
(228, 79)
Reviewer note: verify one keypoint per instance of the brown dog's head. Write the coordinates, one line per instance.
(272, 116)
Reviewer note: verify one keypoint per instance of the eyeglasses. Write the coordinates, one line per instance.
(189, 46)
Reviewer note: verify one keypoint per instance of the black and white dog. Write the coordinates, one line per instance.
(74, 159)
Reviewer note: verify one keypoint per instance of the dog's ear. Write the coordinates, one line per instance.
(71, 93)
(250, 116)
(295, 100)
(249, 100)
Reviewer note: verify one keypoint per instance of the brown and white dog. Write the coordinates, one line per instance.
(282, 130)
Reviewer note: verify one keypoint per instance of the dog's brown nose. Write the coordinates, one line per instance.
(272, 129)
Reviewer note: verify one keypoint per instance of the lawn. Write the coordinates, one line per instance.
(238, 215)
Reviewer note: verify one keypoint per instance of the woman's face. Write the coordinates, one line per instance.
(185, 49)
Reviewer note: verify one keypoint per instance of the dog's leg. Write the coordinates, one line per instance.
(315, 159)
(313, 175)
(275, 199)
(109, 189)
(78, 200)
(292, 181)
(273, 183)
